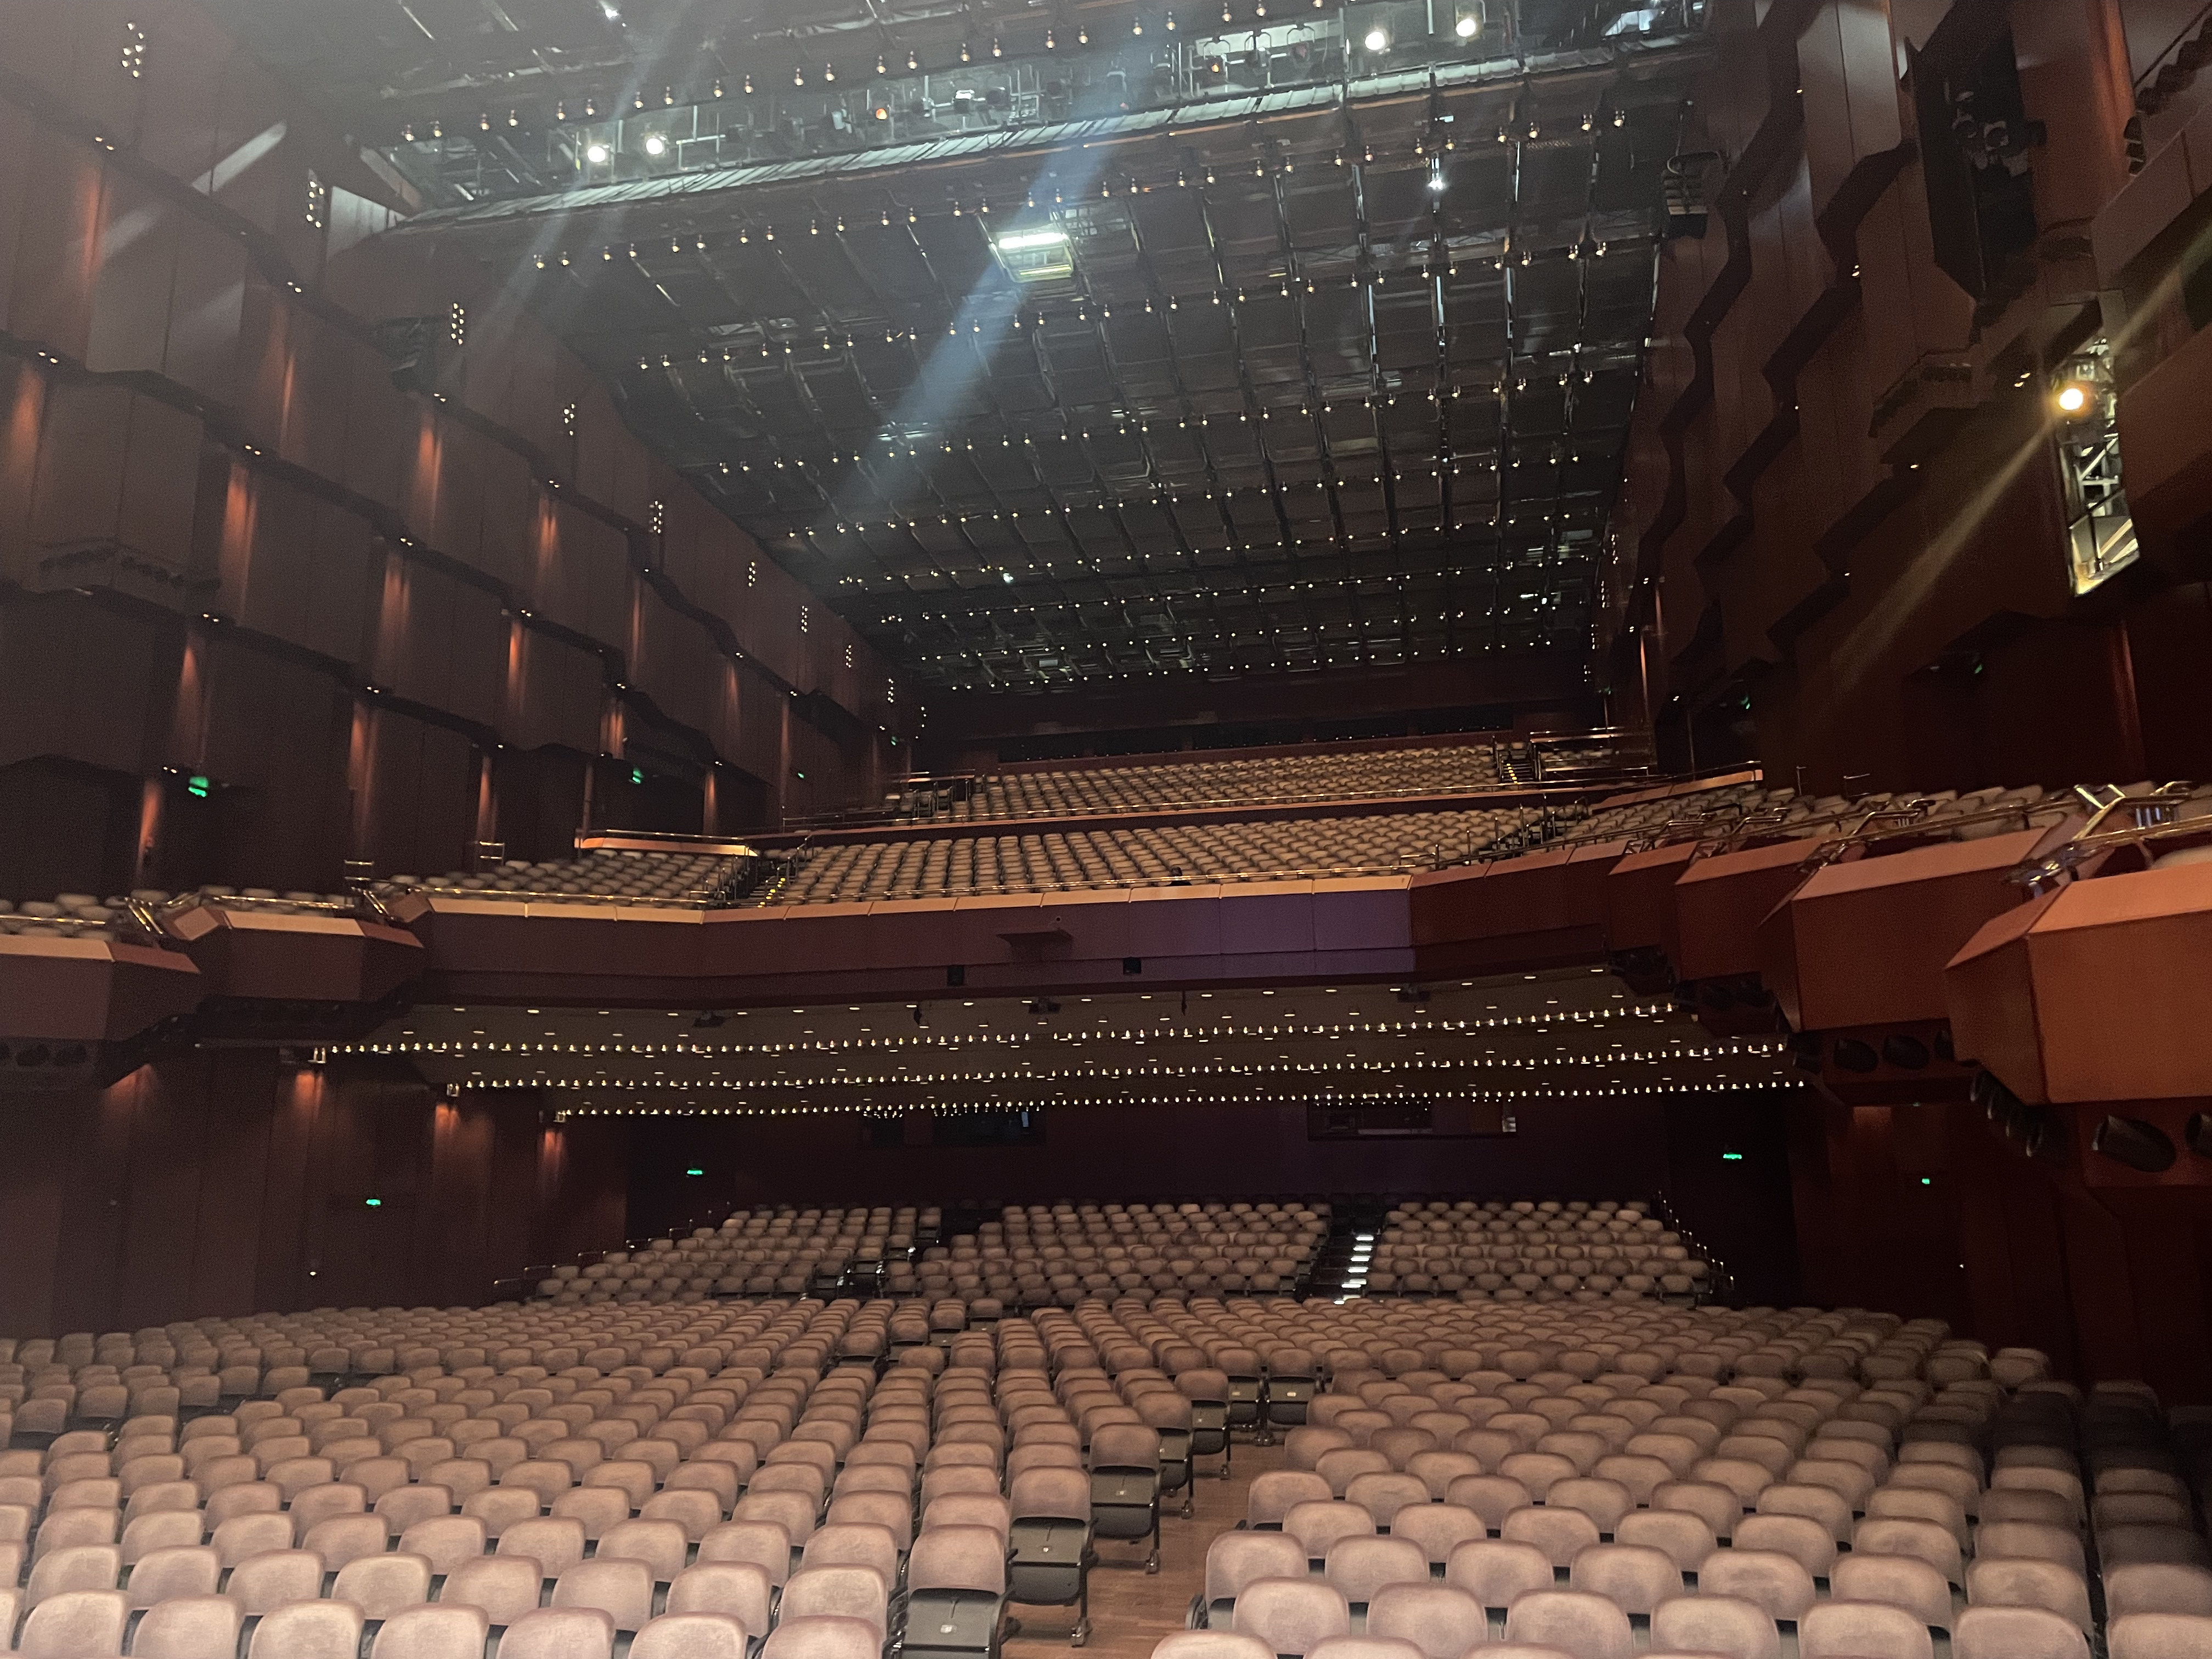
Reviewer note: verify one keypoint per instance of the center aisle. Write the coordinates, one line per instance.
(1131, 1609)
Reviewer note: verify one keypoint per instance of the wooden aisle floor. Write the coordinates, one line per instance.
(1130, 1608)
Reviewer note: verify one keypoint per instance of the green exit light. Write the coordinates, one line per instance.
(1927, 1180)
(374, 1203)
(695, 1171)
(1731, 1157)
(637, 774)
(198, 785)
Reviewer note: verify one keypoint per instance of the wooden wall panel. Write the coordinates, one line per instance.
(307, 574)
(108, 266)
(58, 244)
(84, 682)
(231, 1183)
(558, 696)
(422, 796)
(139, 238)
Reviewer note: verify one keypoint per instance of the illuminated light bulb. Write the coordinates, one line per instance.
(1378, 39)
(1050, 43)
(2073, 398)
(828, 71)
(881, 67)
(913, 59)
(1467, 27)
(656, 145)
(596, 154)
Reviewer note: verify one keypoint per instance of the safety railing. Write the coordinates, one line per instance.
(2117, 820)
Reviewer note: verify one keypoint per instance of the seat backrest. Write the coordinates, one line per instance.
(81, 1567)
(310, 1629)
(1209, 1644)
(189, 1627)
(2156, 1587)
(380, 1585)
(1588, 1626)
(1715, 1623)
(560, 1633)
(1360, 1565)
(1685, 1539)
(1318, 1524)
(764, 1543)
(1293, 1615)
(425, 1632)
(1492, 1497)
(1495, 1570)
(2019, 1633)
(1055, 1494)
(179, 1570)
(1437, 1528)
(621, 1590)
(1865, 1630)
(1235, 1560)
(1273, 1494)
(738, 1589)
(1560, 1534)
(958, 1558)
(78, 1624)
(691, 1636)
(824, 1636)
(1635, 1578)
(1902, 1580)
(844, 1592)
(554, 1542)
(505, 1587)
(661, 1545)
(1443, 1620)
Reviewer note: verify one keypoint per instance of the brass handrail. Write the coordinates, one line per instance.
(2150, 818)
(1871, 834)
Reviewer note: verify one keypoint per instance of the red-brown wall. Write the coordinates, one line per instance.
(2112, 1278)
(231, 545)
(1588, 1148)
(1843, 507)
(233, 1181)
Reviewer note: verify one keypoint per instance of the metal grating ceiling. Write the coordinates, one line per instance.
(1314, 376)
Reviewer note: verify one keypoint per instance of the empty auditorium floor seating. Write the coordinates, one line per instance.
(1371, 1479)
(1059, 1255)
(1253, 781)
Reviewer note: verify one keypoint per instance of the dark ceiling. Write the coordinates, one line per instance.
(1109, 352)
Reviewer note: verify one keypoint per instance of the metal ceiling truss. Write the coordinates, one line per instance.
(1329, 384)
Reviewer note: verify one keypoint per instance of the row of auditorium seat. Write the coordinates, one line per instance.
(1141, 855)
(1747, 809)
(1507, 1250)
(1289, 777)
(1913, 1488)
(1527, 1248)
(696, 1434)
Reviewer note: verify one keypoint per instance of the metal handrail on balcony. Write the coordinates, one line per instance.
(2119, 820)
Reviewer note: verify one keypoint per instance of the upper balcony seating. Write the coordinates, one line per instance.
(1267, 780)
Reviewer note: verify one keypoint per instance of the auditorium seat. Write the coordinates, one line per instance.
(642, 1419)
